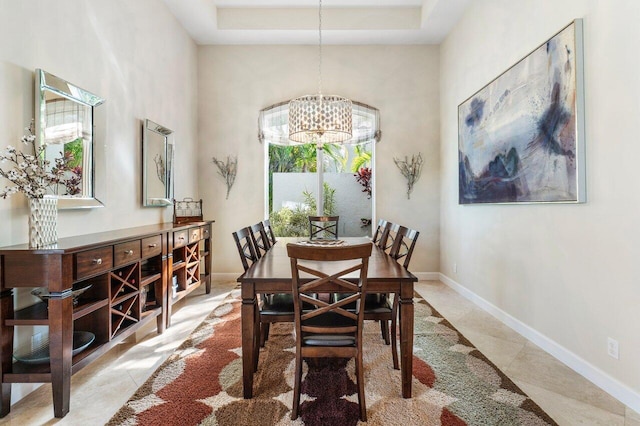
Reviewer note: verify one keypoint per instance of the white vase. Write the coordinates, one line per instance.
(43, 221)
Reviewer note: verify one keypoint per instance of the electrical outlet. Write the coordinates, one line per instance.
(612, 348)
(455, 268)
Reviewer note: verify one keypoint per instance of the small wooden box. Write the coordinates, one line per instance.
(186, 211)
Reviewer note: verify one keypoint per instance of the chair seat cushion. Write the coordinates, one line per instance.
(329, 340)
(277, 304)
(380, 304)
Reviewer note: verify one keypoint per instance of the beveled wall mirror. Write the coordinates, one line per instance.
(71, 128)
(157, 165)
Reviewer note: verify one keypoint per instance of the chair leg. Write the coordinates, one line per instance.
(360, 379)
(264, 333)
(384, 328)
(394, 328)
(296, 386)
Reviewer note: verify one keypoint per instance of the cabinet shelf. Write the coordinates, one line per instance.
(36, 314)
(146, 280)
(41, 373)
(88, 306)
(123, 298)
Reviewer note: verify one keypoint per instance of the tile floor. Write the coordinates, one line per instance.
(100, 389)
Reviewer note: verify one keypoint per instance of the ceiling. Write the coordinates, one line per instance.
(296, 21)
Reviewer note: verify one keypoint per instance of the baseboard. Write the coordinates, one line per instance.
(612, 386)
(427, 276)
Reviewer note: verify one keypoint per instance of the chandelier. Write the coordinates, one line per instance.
(320, 118)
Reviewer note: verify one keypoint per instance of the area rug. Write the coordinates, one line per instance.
(453, 383)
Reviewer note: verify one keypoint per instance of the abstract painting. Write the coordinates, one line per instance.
(520, 138)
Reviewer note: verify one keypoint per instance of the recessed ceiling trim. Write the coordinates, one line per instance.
(409, 21)
(380, 18)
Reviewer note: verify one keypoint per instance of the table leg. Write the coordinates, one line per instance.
(249, 310)
(6, 349)
(406, 337)
(60, 345)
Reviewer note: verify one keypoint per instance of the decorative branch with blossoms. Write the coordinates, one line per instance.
(30, 173)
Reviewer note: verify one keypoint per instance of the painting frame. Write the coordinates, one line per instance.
(521, 136)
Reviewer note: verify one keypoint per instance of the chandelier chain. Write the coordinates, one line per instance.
(320, 47)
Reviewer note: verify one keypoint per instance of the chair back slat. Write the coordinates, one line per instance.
(259, 237)
(403, 244)
(323, 227)
(269, 230)
(379, 230)
(244, 243)
(385, 240)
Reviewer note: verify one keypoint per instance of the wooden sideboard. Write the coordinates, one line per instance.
(135, 275)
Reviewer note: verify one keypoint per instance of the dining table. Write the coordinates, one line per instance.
(272, 274)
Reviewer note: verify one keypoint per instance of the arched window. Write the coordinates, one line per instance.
(273, 124)
(297, 186)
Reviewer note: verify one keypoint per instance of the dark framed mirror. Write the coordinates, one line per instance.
(157, 165)
(70, 126)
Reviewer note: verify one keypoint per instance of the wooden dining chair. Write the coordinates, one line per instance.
(323, 227)
(248, 256)
(382, 307)
(402, 250)
(260, 240)
(273, 307)
(269, 230)
(329, 330)
(245, 246)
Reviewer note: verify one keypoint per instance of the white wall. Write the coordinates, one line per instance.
(235, 82)
(570, 272)
(135, 55)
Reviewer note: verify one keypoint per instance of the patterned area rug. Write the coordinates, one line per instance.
(453, 384)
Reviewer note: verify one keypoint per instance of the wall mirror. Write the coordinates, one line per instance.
(157, 165)
(69, 125)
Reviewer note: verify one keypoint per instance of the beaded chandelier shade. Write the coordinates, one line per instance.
(318, 118)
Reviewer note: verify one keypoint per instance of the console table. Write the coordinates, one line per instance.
(135, 275)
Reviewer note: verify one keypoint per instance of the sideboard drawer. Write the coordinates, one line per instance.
(92, 262)
(180, 238)
(205, 230)
(152, 246)
(126, 253)
(194, 235)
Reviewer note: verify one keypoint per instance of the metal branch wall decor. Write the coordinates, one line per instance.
(227, 170)
(410, 169)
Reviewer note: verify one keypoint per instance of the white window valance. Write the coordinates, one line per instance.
(273, 124)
